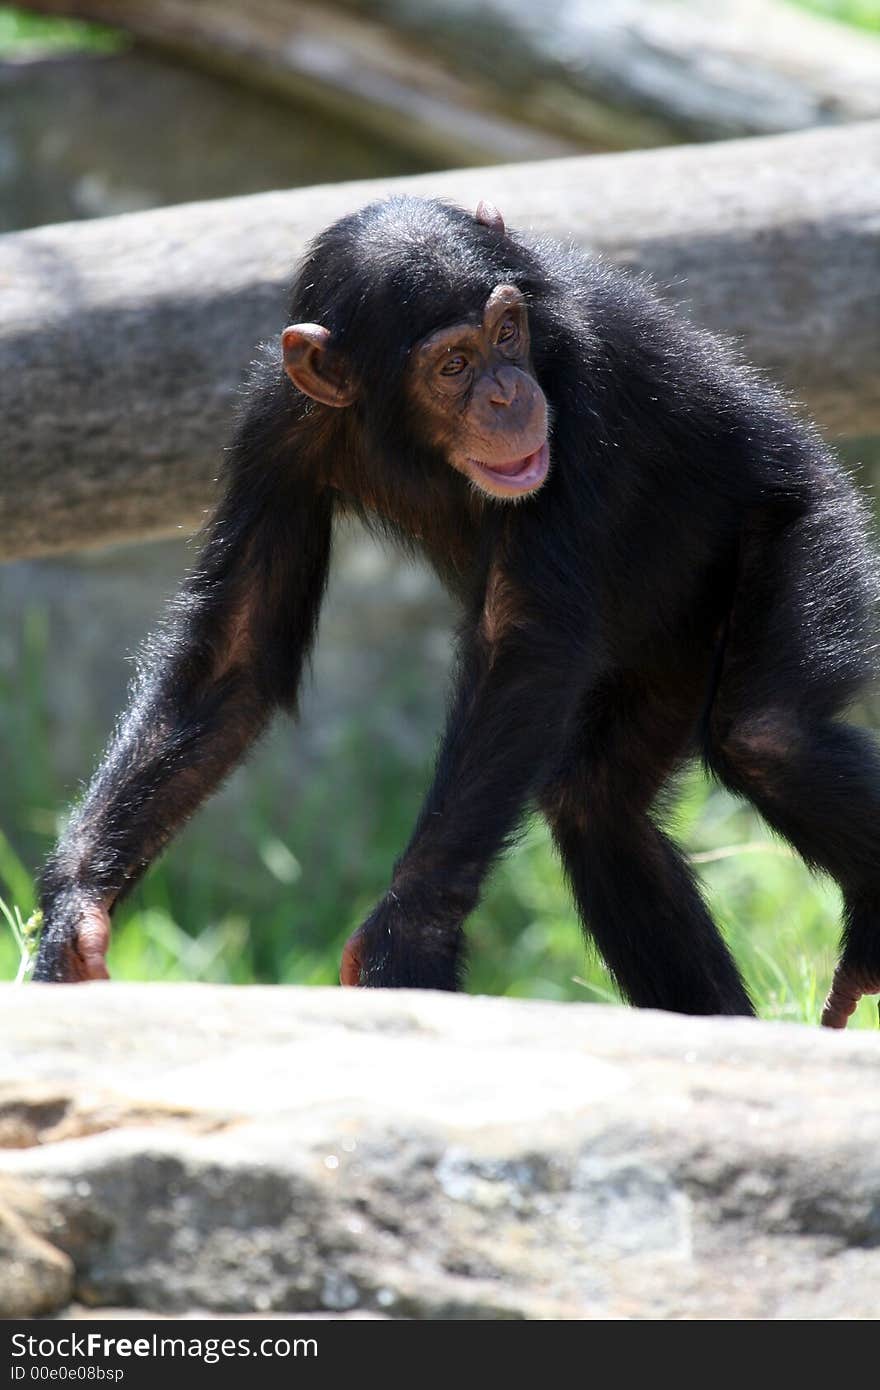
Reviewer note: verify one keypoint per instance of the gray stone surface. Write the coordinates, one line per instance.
(415, 1155)
(123, 341)
(36, 1277)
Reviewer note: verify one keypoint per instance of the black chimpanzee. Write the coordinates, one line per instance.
(654, 558)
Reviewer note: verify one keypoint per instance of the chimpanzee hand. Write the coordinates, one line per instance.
(76, 934)
(399, 948)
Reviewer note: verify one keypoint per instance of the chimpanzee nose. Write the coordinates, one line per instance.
(504, 386)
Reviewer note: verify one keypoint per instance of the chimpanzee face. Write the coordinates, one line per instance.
(471, 390)
(474, 387)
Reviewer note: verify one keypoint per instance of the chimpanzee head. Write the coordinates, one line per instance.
(417, 316)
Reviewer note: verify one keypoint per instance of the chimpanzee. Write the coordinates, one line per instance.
(655, 558)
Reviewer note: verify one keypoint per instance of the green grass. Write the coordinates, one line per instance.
(23, 32)
(280, 907)
(862, 14)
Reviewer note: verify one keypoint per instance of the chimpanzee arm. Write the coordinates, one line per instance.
(511, 719)
(232, 652)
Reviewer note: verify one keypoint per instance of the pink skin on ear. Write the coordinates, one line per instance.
(489, 216)
(313, 367)
(300, 337)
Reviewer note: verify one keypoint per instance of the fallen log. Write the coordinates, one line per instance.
(472, 82)
(123, 341)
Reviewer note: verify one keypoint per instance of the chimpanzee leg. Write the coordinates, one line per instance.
(635, 892)
(231, 654)
(512, 714)
(817, 783)
(773, 738)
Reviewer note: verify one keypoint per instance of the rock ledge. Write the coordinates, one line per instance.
(291, 1151)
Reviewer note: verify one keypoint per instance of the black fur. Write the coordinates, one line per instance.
(693, 578)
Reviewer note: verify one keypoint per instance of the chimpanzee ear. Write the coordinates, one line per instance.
(314, 367)
(489, 216)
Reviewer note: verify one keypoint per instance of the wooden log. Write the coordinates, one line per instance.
(470, 82)
(123, 341)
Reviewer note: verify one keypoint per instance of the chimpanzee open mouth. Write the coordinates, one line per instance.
(519, 475)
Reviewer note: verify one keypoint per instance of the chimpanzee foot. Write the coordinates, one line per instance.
(392, 968)
(390, 952)
(850, 984)
(351, 964)
(73, 956)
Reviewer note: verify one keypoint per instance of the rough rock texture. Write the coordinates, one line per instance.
(35, 1276)
(289, 1150)
(123, 341)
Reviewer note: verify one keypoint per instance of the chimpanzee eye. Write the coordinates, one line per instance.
(454, 366)
(507, 332)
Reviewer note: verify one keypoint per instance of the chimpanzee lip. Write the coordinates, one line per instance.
(518, 475)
